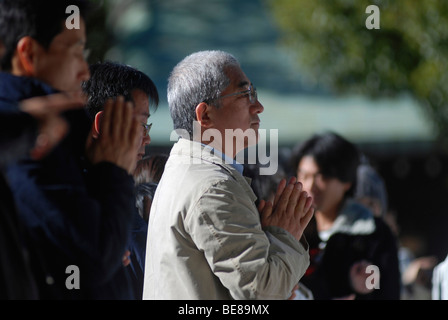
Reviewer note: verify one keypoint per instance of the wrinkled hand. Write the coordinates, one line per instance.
(291, 209)
(119, 136)
(52, 127)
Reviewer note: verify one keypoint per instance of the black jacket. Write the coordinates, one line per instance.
(358, 235)
(17, 135)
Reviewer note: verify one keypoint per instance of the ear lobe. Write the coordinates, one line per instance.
(202, 114)
(26, 55)
(347, 186)
(96, 124)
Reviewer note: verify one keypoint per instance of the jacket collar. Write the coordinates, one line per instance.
(197, 153)
(14, 89)
(238, 166)
(354, 219)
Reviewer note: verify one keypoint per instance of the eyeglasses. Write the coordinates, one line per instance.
(147, 128)
(252, 91)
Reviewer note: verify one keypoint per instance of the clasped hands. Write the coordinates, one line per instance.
(291, 209)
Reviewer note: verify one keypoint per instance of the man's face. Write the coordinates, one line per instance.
(63, 65)
(237, 111)
(327, 193)
(141, 113)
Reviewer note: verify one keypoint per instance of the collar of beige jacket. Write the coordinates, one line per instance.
(200, 152)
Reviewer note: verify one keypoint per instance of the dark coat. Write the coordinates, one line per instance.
(137, 247)
(358, 235)
(18, 132)
(73, 213)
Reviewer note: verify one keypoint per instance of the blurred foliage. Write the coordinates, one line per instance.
(99, 37)
(407, 55)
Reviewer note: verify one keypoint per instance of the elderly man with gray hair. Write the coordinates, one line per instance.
(206, 237)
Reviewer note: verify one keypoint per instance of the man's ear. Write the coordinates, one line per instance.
(203, 114)
(347, 186)
(23, 63)
(96, 124)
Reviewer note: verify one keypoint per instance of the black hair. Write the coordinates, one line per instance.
(144, 192)
(108, 80)
(41, 20)
(335, 156)
(150, 168)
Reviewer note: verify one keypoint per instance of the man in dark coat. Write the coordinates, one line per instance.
(18, 138)
(16, 281)
(76, 204)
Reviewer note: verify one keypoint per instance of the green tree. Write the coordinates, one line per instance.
(99, 37)
(407, 55)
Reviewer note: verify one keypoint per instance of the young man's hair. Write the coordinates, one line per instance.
(143, 192)
(108, 80)
(150, 168)
(41, 20)
(335, 156)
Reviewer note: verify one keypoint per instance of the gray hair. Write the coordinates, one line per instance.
(200, 77)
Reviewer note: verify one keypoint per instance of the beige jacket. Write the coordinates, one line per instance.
(205, 239)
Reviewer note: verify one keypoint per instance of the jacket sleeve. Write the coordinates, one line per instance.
(111, 190)
(76, 218)
(18, 132)
(250, 263)
(89, 226)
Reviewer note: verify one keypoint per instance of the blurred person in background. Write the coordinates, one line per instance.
(150, 168)
(439, 280)
(345, 237)
(416, 272)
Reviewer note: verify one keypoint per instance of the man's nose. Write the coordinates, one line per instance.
(258, 107)
(146, 140)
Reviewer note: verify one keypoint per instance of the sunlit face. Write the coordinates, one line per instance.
(237, 112)
(327, 193)
(63, 65)
(141, 113)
